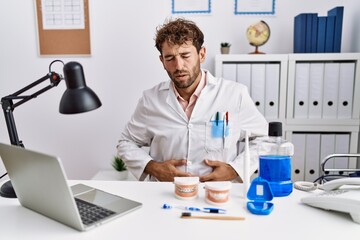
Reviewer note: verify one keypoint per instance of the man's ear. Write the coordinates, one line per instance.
(202, 54)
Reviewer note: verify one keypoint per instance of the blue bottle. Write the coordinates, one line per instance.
(275, 161)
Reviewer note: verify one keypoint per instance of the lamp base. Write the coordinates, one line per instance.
(7, 190)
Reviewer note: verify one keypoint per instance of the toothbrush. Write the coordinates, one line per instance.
(195, 209)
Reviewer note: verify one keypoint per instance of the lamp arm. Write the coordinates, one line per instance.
(8, 105)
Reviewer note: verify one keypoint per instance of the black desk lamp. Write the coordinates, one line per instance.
(77, 98)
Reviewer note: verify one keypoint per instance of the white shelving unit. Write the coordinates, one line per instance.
(321, 122)
(229, 66)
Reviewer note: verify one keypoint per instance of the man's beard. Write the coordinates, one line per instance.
(190, 78)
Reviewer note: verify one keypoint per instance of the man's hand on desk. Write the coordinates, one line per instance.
(166, 171)
(221, 172)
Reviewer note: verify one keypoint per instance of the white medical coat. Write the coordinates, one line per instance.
(160, 123)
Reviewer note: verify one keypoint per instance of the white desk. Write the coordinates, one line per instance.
(289, 220)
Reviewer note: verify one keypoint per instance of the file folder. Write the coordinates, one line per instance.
(309, 31)
(314, 33)
(338, 12)
(346, 90)
(329, 35)
(258, 86)
(331, 84)
(321, 34)
(229, 71)
(300, 33)
(316, 90)
(272, 90)
(312, 159)
(301, 90)
(327, 147)
(244, 74)
(342, 145)
(298, 159)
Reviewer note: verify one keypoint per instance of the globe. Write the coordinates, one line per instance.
(258, 34)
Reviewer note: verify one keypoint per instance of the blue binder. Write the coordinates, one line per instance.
(321, 33)
(329, 37)
(314, 32)
(300, 33)
(338, 13)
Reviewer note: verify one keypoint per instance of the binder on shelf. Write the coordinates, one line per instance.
(301, 90)
(329, 35)
(331, 83)
(314, 32)
(258, 86)
(316, 90)
(327, 147)
(309, 32)
(272, 78)
(346, 87)
(342, 145)
(321, 34)
(338, 13)
(229, 71)
(298, 159)
(244, 74)
(300, 33)
(312, 157)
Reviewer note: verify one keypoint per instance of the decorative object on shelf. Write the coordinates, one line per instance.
(120, 167)
(258, 34)
(225, 48)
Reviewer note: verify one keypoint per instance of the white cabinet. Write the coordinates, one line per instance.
(264, 75)
(315, 96)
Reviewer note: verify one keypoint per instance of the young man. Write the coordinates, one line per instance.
(192, 123)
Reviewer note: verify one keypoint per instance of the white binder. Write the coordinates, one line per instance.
(327, 147)
(342, 146)
(229, 71)
(272, 88)
(298, 159)
(312, 157)
(346, 90)
(244, 74)
(258, 86)
(302, 71)
(331, 84)
(316, 90)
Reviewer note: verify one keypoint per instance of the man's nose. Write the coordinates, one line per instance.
(179, 62)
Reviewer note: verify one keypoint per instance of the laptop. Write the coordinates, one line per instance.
(40, 183)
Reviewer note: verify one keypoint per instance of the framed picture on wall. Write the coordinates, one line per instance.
(190, 6)
(261, 7)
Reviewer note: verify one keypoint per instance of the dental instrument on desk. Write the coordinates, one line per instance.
(195, 209)
(188, 215)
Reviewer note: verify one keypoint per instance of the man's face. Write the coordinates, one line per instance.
(182, 63)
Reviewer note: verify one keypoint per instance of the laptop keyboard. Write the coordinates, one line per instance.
(91, 213)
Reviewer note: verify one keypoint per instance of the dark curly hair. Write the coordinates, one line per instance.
(178, 32)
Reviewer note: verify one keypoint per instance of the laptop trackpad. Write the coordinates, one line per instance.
(112, 202)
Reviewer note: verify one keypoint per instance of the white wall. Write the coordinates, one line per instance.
(123, 63)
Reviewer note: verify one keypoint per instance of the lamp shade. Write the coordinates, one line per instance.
(78, 97)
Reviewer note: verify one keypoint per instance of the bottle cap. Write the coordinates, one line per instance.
(275, 129)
